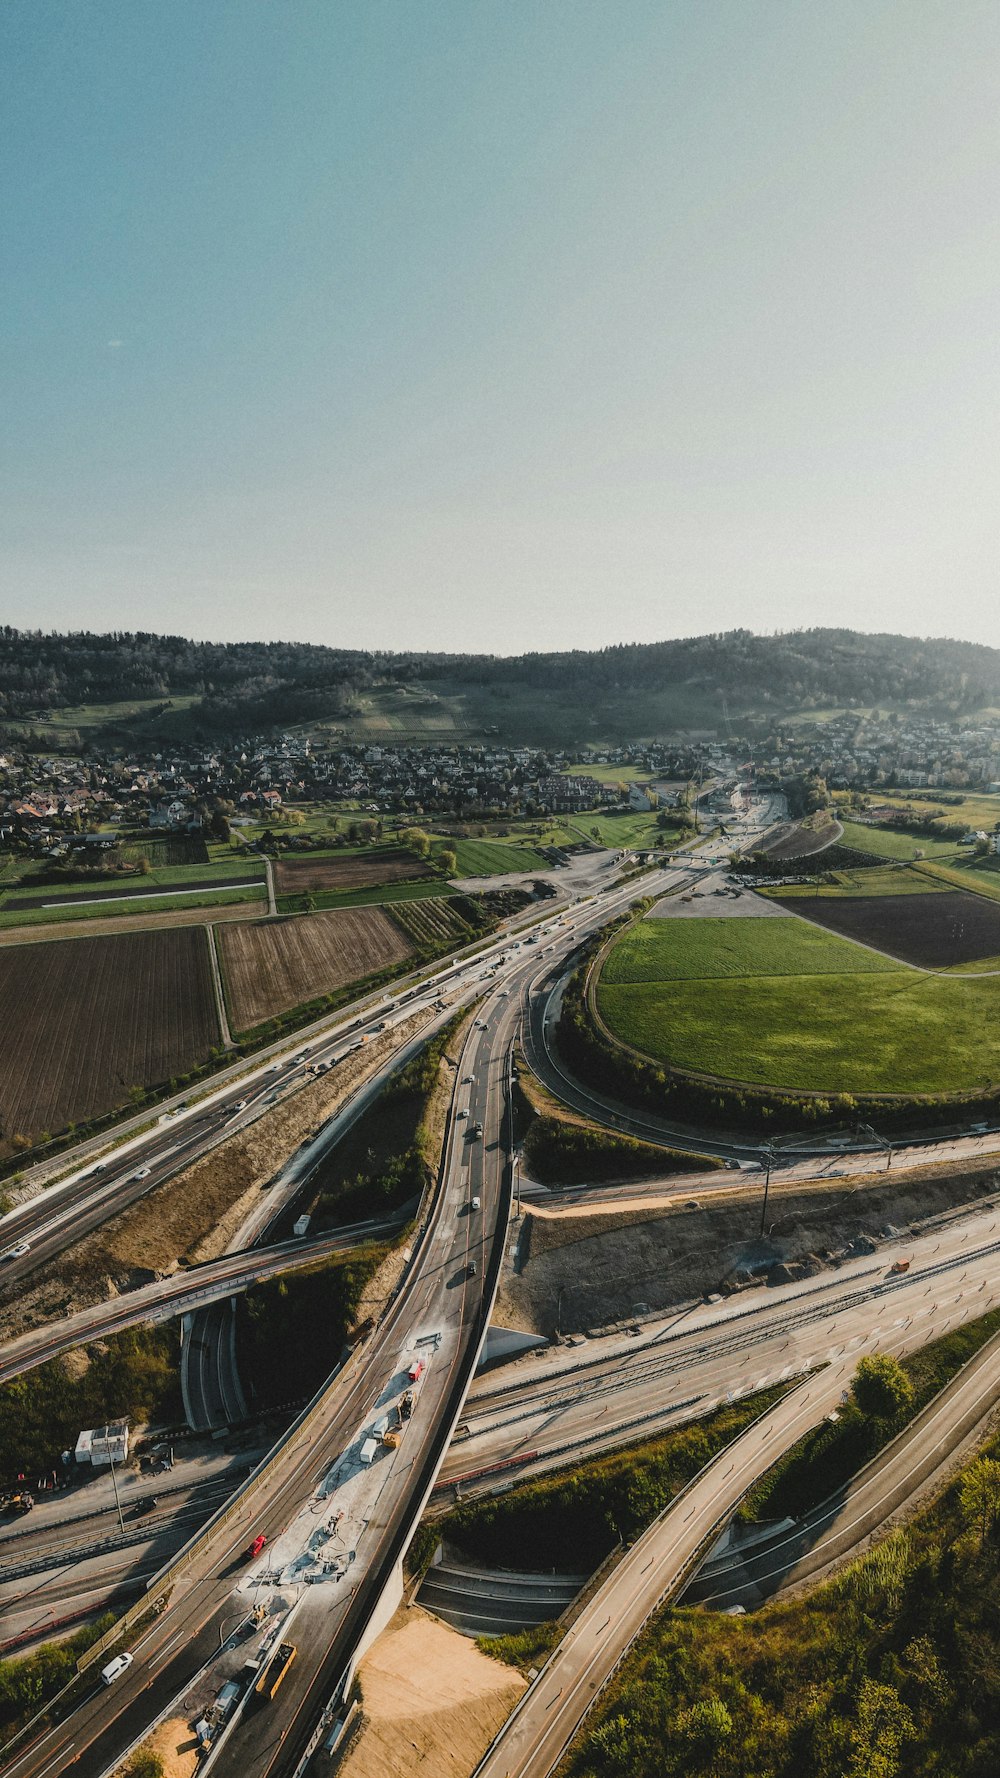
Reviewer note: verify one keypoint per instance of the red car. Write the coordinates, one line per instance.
(256, 1547)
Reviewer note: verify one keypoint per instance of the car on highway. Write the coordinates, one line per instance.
(142, 1173)
(297, 1061)
(473, 1268)
(477, 1130)
(254, 1549)
(468, 1080)
(116, 1668)
(18, 1251)
(241, 1105)
(477, 1203)
(461, 1112)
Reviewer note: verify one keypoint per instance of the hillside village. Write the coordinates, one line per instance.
(47, 794)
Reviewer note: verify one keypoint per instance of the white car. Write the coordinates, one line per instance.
(241, 1105)
(116, 1668)
(18, 1251)
(461, 1113)
(141, 1173)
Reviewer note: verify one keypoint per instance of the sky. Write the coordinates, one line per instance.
(500, 324)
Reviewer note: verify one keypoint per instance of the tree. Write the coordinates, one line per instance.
(417, 840)
(449, 862)
(881, 1388)
(980, 1496)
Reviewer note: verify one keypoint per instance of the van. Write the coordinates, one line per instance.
(116, 1668)
(477, 1203)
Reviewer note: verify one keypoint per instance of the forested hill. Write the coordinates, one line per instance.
(249, 685)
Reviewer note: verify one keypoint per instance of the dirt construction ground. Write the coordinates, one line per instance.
(432, 1703)
(583, 1271)
(192, 1217)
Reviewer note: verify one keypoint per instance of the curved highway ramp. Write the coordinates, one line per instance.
(495, 1601)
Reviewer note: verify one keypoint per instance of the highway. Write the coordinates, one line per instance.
(546, 1408)
(440, 1299)
(441, 1310)
(167, 1298)
(550, 1713)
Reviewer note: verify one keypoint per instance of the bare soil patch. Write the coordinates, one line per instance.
(432, 1702)
(85, 1023)
(932, 931)
(192, 1217)
(352, 870)
(143, 920)
(589, 1270)
(270, 966)
(176, 1745)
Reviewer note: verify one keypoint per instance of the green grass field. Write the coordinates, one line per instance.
(757, 1000)
(881, 879)
(490, 858)
(372, 896)
(691, 950)
(626, 830)
(883, 843)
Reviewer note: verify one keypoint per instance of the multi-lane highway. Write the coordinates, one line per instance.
(440, 1313)
(442, 1300)
(546, 1408)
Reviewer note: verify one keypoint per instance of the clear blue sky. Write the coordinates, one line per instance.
(497, 324)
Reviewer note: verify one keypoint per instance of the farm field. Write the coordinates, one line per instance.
(378, 895)
(770, 1010)
(491, 858)
(876, 879)
(432, 921)
(960, 873)
(152, 918)
(936, 931)
(882, 842)
(85, 1022)
(125, 907)
(270, 967)
(348, 870)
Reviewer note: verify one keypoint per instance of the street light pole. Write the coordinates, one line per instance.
(114, 1484)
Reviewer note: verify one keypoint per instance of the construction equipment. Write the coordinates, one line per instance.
(275, 1671)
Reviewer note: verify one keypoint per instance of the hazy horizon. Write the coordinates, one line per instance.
(494, 329)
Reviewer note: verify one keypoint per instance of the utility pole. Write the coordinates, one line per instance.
(768, 1153)
(882, 1141)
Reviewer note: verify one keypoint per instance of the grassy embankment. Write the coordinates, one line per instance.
(777, 1003)
(559, 1148)
(826, 1458)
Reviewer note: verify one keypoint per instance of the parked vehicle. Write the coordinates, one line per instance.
(406, 1405)
(369, 1450)
(900, 1265)
(416, 1369)
(18, 1251)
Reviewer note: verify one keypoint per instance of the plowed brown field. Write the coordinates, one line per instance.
(349, 870)
(273, 965)
(84, 1022)
(933, 931)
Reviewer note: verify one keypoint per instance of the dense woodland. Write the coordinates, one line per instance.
(252, 685)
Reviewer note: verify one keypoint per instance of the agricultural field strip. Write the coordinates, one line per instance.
(95, 1017)
(271, 966)
(131, 889)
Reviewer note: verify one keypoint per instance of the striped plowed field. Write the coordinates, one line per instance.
(348, 870)
(271, 966)
(430, 921)
(85, 1022)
